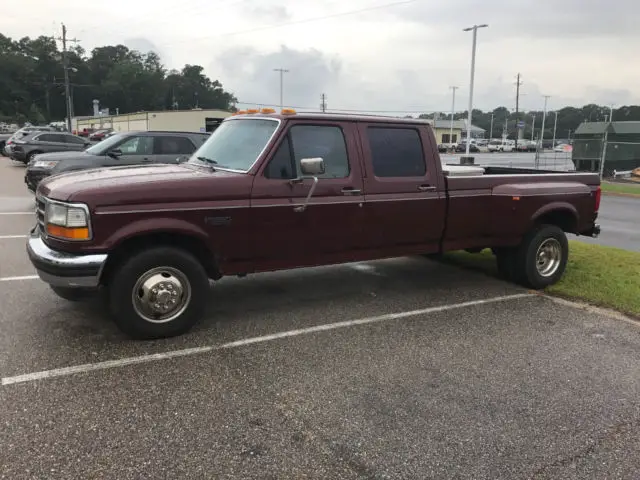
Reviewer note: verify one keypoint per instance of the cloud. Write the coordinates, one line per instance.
(250, 74)
(270, 13)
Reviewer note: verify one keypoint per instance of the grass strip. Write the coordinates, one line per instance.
(603, 276)
(623, 188)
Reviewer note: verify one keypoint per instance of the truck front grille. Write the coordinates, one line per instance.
(40, 208)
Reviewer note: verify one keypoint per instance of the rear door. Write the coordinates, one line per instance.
(403, 208)
(168, 149)
(74, 143)
(51, 142)
(331, 226)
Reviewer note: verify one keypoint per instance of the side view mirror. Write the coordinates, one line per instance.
(182, 158)
(310, 167)
(86, 144)
(115, 153)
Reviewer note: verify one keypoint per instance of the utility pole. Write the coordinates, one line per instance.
(555, 125)
(282, 72)
(518, 83)
(65, 65)
(473, 71)
(453, 106)
(323, 103)
(604, 142)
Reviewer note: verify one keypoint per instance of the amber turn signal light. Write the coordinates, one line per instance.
(81, 233)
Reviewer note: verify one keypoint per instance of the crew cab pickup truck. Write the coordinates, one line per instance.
(270, 191)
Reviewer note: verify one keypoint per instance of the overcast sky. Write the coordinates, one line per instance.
(400, 57)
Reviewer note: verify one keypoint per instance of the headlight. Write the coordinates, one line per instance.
(69, 222)
(44, 164)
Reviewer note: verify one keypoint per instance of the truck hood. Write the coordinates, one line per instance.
(144, 185)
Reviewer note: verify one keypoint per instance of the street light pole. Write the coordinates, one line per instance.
(555, 125)
(282, 72)
(533, 125)
(491, 129)
(453, 106)
(544, 116)
(473, 71)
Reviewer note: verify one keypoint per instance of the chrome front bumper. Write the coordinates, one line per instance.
(62, 269)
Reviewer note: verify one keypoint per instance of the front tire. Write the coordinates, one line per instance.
(542, 257)
(158, 293)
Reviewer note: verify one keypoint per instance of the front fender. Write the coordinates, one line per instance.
(156, 225)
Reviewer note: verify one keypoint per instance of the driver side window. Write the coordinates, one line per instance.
(137, 146)
(308, 141)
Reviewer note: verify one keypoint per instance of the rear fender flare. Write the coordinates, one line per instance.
(555, 207)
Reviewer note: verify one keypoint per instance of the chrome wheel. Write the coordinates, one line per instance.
(548, 257)
(161, 294)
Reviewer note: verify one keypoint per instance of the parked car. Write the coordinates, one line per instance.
(127, 148)
(19, 135)
(3, 142)
(501, 146)
(100, 135)
(278, 191)
(26, 148)
(563, 148)
(462, 146)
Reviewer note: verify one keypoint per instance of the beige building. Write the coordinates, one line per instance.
(442, 129)
(196, 120)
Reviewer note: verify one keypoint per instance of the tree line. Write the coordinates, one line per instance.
(124, 80)
(569, 118)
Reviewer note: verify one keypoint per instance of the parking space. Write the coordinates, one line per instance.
(401, 368)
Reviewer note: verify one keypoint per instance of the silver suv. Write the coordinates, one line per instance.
(32, 144)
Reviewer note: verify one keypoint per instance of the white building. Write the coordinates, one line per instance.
(196, 120)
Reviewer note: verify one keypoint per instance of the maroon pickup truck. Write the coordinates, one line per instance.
(274, 191)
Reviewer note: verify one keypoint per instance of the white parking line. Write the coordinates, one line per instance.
(7, 237)
(88, 367)
(15, 279)
(18, 213)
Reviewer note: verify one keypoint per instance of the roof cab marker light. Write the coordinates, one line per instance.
(268, 110)
(241, 112)
(253, 110)
(288, 111)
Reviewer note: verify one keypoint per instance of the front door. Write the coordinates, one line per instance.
(403, 207)
(136, 150)
(330, 228)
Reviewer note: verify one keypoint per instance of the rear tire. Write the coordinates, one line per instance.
(506, 263)
(541, 258)
(158, 293)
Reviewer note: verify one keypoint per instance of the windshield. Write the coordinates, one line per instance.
(104, 146)
(236, 144)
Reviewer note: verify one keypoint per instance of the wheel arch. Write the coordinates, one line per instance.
(193, 244)
(561, 214)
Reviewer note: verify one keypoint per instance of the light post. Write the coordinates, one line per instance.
(473, 68)
(282, 72)
(555, 125)
(453, 106)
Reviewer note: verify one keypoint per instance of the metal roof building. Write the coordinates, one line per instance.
(619, 140)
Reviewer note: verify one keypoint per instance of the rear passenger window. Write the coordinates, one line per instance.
(310, 141)
(46, 137)
(174, 146)
(396, 152)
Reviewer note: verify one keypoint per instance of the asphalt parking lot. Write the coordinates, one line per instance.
(400, 368)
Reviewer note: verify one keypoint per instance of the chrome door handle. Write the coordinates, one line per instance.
(350, 191)
(427, 188)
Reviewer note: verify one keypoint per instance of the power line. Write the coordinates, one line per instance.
(354, 110)
(297, 22)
